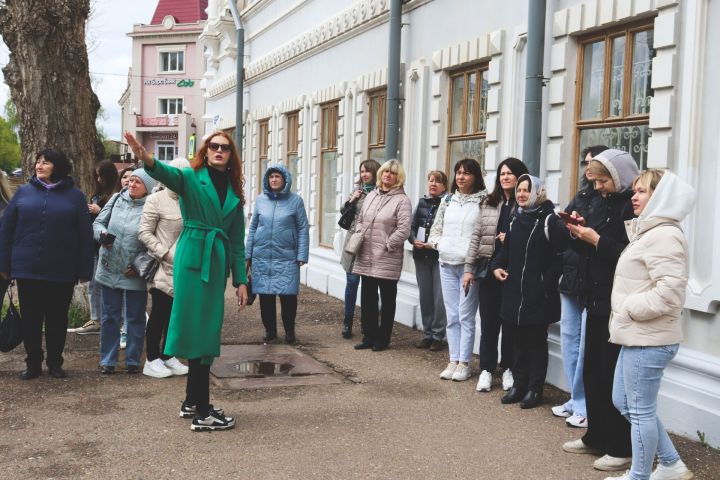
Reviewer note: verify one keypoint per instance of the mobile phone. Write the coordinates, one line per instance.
(107, 239)
(567, 218)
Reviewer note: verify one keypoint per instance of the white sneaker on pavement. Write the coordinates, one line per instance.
(176, 366)
(156, 369)
(91, 326)
(578, 446)
(462, 373)
(485, 382)
(577, 421)
(624, 476)
(608, 463)
(675, 471)
(447, 374)
(559, 411)
(507, 380)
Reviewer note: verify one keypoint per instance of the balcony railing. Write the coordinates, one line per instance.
(163, 121)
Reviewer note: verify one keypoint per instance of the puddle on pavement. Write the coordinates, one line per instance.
(261, 369)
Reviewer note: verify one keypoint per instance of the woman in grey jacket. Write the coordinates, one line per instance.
(277, 246)
(116, 229)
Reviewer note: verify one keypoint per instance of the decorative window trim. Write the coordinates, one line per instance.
(174, 97)
(170, 49)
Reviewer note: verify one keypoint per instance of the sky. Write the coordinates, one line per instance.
(110, 54)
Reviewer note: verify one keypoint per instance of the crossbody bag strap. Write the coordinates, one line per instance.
(376, 214)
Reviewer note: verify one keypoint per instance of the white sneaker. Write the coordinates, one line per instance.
(123, 341)
(608, 463)
(447, 374)
(462, 372)
(676, 471)
(485, 382)
(624, 476)
(507, 380)
(156, 369)
(577, 421)
(559, 411)
(176, 367)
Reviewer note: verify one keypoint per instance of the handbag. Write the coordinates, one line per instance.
(354, 243)
(11, 327)
(146, 266)
(347, 217)
(251, 296)
(482, 269)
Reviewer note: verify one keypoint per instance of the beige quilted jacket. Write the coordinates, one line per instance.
(482, 241)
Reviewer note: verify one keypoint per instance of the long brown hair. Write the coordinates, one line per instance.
(106, 181)
(234, 172)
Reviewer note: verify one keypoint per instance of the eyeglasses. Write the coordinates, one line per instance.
(225, 147)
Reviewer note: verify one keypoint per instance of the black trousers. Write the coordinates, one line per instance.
(531, 357)
(43, 302)
(288, 311)
(157, 326)
(490, 300)
(608, 431)
(374, 333)
(197, 389)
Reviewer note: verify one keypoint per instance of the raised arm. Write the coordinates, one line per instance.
(172, 177)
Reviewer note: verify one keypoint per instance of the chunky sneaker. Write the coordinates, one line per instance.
(578, 446)
(214, 421)
(447, 374)
(675, 471)
(577, 421)
(608, 463)
(485, 382)
(156, 369)
(624, 476)
(507, 380)
(188, 411)
(560, 411)
(123, 341)
(92, 326)
(462, 372)
(175, 366)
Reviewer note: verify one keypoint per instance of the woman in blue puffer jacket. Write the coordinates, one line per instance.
(277, 246)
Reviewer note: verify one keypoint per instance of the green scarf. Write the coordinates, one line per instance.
(368, 187)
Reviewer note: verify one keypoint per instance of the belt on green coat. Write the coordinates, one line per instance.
(212, 233)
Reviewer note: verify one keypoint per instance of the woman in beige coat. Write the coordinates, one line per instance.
(160, 226)
(385, 219)
(647, 301)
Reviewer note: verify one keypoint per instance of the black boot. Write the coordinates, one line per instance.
(515, 395)
(32, 371)
(531, 400)
(347, 327)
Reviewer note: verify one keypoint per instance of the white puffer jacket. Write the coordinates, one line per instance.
(652, 273)
(453, 227)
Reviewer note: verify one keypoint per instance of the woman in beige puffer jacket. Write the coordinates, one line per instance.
(385, 219)
(160, 227)
(647, 301)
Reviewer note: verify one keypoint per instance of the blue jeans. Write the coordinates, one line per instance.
(352, 282)
(636, 385)
(112, 315)
(460, 310)
(572, 342)
(95, 295)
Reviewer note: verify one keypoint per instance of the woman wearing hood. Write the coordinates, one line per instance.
(529, 265)
(601, 238)
(647, 301)
(277, 246)
(46, 245)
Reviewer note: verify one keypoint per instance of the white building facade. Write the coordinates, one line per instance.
(631, 74)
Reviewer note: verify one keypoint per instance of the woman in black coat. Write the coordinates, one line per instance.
(46, 244)
(529, 264)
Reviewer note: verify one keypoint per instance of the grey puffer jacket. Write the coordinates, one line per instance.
(121, 217)
(381, 254)
(482, 241)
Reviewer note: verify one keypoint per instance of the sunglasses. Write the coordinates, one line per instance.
(225, 147)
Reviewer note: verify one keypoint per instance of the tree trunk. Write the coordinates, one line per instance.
(50, 83)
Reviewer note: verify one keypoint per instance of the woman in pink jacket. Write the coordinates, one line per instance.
(385, 219)
(647, 301)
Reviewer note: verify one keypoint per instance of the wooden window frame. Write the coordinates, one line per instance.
(326, 147)
(292, 140)
(263, 149)
(626, 119)
(477, 133)
(381, 127)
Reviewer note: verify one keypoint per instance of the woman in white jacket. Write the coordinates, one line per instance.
(647, 301)
(450, 236)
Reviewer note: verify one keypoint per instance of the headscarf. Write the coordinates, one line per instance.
(537, 193)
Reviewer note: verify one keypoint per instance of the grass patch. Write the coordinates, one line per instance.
(77, 316)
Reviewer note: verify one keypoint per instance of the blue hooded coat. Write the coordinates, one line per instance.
(278, 238)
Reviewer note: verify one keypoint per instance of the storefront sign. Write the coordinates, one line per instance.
(185, 83)
(163, 136)
(161, 81)
(191, 147)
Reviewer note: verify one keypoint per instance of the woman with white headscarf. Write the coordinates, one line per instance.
(529, 264)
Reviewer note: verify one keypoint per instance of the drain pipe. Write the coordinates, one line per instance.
(240, 75)
(532, 125)
(393, 81)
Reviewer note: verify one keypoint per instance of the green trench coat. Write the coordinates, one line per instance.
(211, 245)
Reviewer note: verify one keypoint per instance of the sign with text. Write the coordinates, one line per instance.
(184, 83)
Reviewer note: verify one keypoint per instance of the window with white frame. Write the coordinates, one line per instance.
(328, 172)
(166, 150)
(170, 106)
(614, 77)
(172, 62)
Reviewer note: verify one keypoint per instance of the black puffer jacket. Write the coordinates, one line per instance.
(533, 260)
(424, 215)
(596, 267)
(569, 282)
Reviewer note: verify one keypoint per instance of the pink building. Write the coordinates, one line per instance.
(163, 103)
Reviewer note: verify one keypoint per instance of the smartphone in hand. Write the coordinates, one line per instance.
(567, 218)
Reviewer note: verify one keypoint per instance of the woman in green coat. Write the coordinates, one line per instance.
(210, 247)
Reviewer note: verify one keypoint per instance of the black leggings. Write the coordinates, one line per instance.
(288, 310)
(374, 333)
(157, 326)
(197, 390)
